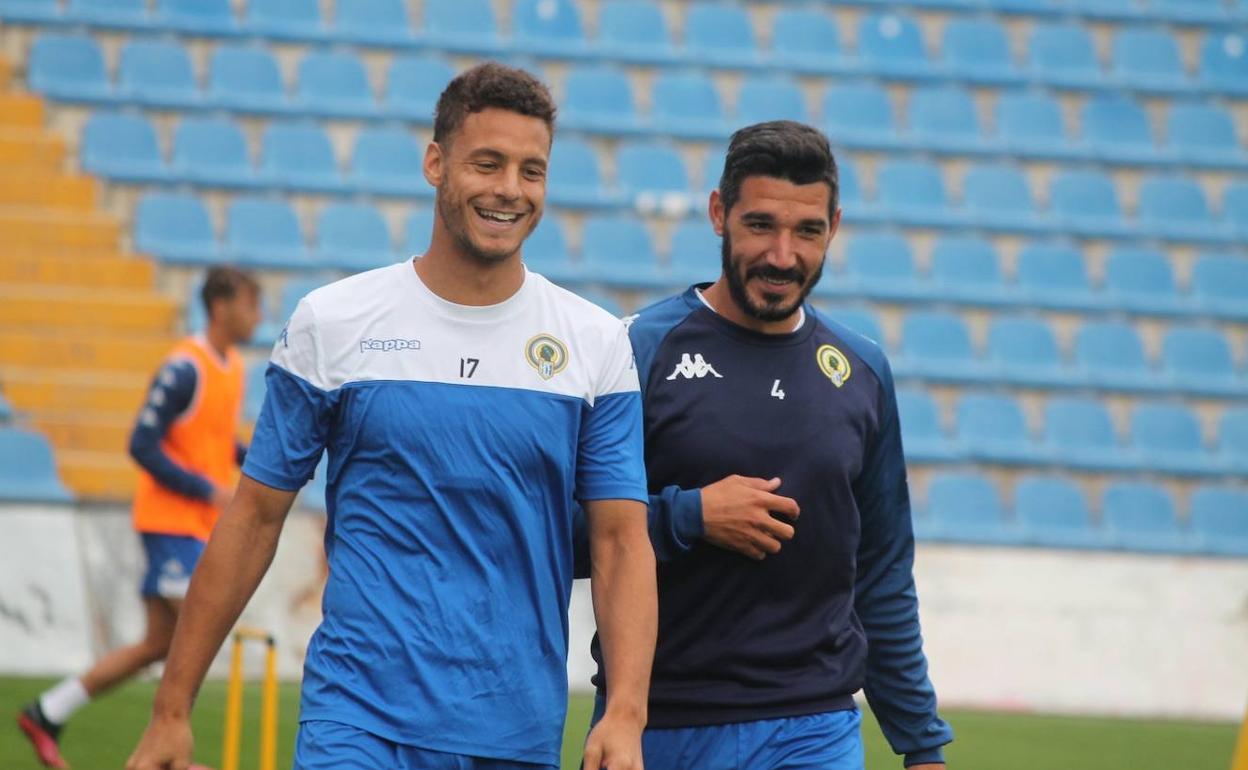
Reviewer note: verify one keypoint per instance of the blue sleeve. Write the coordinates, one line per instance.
(897, 685)
(609, 462)
(170, 394)
(291, 432)
(674, 517)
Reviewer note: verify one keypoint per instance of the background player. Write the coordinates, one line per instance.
(185, 442)
(464, 403)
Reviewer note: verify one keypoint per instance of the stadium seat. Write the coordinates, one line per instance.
(997, 197)
(264, 233)
(1062, 55)
(652, 177)
(1110, 354)
(859, 319)
(157, 74)
(294, 20)
(199, 17)
(1167, 438)
(852, 199)
(1053, 513)
(1220, 284)
(246, 78)
(1235, 208)
(764, 98)
(175, 228)
(634, 31)
(1224, 61)
(937, 345)
(1203, 134)
(1078, 432)
(1029, 7)
(298, 156)
(891, 45)
(388, 161)
(122, 147)
(1116, 129)
(1086, 203)
(1198, 359)
(686, 105)
(41, 12)
(1140, 516)
(694, 252)
(1219, 520)
(413, 85)
(1024, 350)
(548, 28)
(618, 249)
(978, 51)
(68, 68)
(880, 265)
(574, 179)
(373, 22)
(418, 231)
(966, 507)
(808, 41)
(1148, 60)
(992, 428)
(352, 237)
(1031, 124)
(211, 151)
(944, 119)
(1174, 208)
(1054, 275)
(27, 469)
(860, 116)
(599, 98)
(254, 390)
(1142, 281)
(1114, 10)
(922, 436)
(1233, 439)
(129, 15)
(546, 250)
(720, 35)
(713, 167)
(466, 26)
(1189, 11)
(913, 192)
(334, 85)
(966, 269)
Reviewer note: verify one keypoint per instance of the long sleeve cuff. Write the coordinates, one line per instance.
(925, 757)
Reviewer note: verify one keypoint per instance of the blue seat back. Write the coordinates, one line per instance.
(880, 256)
(205, 15)
(982, 416)
(920, 418)
(1139, 507)
(547, 20)
(1172, 198)
(1051, 503)
(997, 187)
(1196, 351)
(1201, 126)
(964, 499)
(1061, 48)
(1022, 342)
(686, 95)
(162, 218)
(352, 227)
(1233, 432)
(371, 17)
(1078, 423)
(975, 44)
(155, 68)
(57, 61)
(329, 77)
(1110, 346)
(1025, 116)
(651, 167)
(386, 152)
(617, 241)
(467, 18)
(910, 183)
(936, 335)
(418, 231)
(888, 39)
(417, 81)
(764, 98)
(1115, 119)
(210, 144)
(1165, 428)
(109, 139)
(1221, 276)
(1224, 59)
(298, 148)
(27, 467)
(857, 107)
(695, 247)
(713, 27)
(255, 225)
(804, 32)
(943, 111)
(600, 92)
(1052, 268)
(1146, 52)
(1137, 271)
(1084, 193)
(1220, 512)
(862, 320)
(633, 23)
(247, 70)
(574, 165)
(292, 17)
(547, 244)
(965, 261)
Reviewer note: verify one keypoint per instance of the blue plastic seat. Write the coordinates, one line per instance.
(937, 344)
(944, 118)
(1079, 432)
(1233, 439)
(634, 30)
(1167, 438)
(546, 249)
(997, 197)
(254, 389)
(1054, 275)
(418, 231)
(686, 105)
(1063, 55)
(1198, 359)
(158, 74)
(764, 98)
(966, 269)
(713, 167)
(1174, 207)
(68, 68)
(264, 232)
(548, 28)
(335, 85)
(1224, 61)
(1116, 129)
(891, 45)
(881, 265)
(922, 435)
(1029, 7)
(719, 35)
(1087, 203)
(353, 237)
(992, 428)
(1203, 134)
(913, 191)
(373, 22)
(1024, 350)
(199, 17)
(211, 151)
(175, 228)
(966, 507)
(44, 12)
(978, 51)
(1235, 208)
(860, 115)
(28, 470)
(1140, 280)
(413, 85)
(246, 78)
(296, 20)
(649, 173)
(1053, 512)
(1220, 284)
(1111, 354)
(1219, 520)
(1031, 124)
(850, 194)
(388, 161)
(122, 14)
(807, 40)
(859, 319)
(599, 98)
(1148, 60)
(1140, 516)
(618, 249)
(1189, 11)
(694, 252)
(574, 179)
(122, 147)
(466, 26)
(298, 156)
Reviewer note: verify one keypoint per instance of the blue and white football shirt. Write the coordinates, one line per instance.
(457, 438)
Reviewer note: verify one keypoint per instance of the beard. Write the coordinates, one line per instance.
(454, 218)
(772, 307)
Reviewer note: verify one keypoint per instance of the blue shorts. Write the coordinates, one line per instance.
(830, 740)
(170, 561)
(334, 746)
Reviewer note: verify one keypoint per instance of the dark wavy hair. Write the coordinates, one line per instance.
(783, 149)
(491, 85)
(225, 282)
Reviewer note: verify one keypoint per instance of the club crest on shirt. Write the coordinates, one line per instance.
(834, 364)
(547, 355)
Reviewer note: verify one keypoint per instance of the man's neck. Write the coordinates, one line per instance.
(219, 340)
(456, 277)
(719, 297)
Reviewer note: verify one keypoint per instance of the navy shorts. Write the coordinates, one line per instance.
(325, 745)
(170, 561)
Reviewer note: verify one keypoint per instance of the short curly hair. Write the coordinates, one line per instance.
(491, 85)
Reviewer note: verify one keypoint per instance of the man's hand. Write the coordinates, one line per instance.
(613, 744)
(221, 497)
(166, 745)
(736, 515)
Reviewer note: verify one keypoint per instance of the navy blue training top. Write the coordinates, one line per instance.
(835, 610)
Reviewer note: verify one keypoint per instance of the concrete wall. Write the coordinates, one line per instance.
(1096, 633)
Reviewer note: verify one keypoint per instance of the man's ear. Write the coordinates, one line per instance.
(835, 225)
(715, 210)
(434, 165)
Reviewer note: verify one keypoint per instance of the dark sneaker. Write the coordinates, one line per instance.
(42, 735)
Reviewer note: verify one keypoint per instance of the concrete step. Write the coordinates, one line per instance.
(105, 432)
(98, 475)
(20, 110)
(61, 350)
(112, 271)
(54, 392)
(27, 227)
(28, 148)
(44, 308)
(58, 191)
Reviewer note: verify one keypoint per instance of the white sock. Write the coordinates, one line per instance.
(60, 703)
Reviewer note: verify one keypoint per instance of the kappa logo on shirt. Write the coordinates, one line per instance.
(389, 346)
(694, 367)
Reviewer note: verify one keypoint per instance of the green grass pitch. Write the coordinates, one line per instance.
(102, 735)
